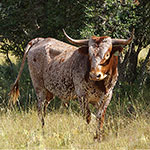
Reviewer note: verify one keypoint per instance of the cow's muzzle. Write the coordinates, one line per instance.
(98, 76)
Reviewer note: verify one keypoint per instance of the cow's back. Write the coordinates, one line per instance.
(44, 50)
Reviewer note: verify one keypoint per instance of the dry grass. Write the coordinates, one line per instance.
(70, 131)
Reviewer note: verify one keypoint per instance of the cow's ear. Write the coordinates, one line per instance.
(83, 50)
(116, 50)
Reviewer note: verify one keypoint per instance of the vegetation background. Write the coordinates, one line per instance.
(128, 115)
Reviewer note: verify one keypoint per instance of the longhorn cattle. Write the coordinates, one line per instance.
(88, 73)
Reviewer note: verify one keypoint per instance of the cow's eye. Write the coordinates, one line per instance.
(107, 56)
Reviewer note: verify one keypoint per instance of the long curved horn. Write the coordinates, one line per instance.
(76, 42)
(123, 41)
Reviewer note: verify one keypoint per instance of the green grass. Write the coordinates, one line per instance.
(68, 130)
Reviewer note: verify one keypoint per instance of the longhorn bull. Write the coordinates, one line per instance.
(88, 73)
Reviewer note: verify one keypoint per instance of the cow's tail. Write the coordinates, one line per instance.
(14, 92)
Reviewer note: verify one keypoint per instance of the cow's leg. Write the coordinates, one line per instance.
(88, 115)
(100, 120)
(49, 97)
(101, 116)
(83, 101)
(66, 104)
(85, 108)
(41, 96)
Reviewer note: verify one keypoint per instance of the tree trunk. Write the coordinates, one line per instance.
(123, 64)
(10, 63)
(132, 66)
(128, 67)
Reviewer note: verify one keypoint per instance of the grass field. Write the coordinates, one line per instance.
(68, 130)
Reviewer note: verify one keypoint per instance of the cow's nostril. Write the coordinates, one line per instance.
(99, 75)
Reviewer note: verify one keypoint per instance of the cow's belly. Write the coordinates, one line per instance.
(60, 85)
(62, 91)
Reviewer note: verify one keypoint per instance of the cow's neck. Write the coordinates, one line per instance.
(111, 80)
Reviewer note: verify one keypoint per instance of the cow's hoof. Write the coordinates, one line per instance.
(98, 138)
(43, 123)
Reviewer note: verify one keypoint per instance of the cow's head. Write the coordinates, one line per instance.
(101, 51)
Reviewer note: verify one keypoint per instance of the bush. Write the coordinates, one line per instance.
(7, 77)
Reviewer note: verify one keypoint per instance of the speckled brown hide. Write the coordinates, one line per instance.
(39, 58)
(67, 76)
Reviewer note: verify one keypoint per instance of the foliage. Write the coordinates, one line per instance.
(110, 18)
(21, 21)
(143, 23)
